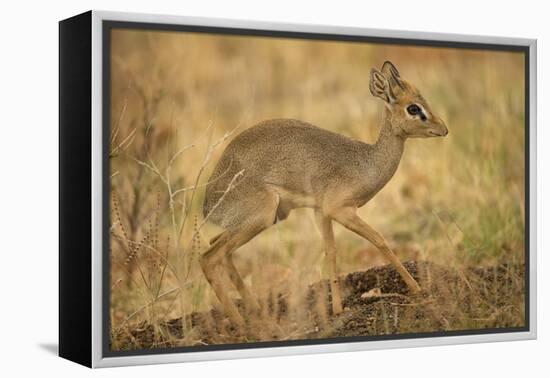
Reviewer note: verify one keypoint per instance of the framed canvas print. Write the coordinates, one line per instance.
(234, 189)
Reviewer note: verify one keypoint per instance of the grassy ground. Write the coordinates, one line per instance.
(177, 99)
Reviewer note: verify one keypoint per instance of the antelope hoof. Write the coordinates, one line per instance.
(336, 308)
(414, 288)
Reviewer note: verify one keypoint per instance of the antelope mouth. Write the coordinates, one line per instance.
(436, 134)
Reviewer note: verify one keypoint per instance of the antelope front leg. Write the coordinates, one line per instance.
(349, 219)
(325, 226)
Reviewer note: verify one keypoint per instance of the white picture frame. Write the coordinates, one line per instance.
(94, 354)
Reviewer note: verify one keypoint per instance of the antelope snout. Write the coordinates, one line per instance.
(445, 130)
(440, 129)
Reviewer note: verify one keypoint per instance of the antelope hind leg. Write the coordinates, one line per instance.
(251, 303)
(213, 268)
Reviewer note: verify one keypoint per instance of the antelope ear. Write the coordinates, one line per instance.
(379, 86)
(394, 79)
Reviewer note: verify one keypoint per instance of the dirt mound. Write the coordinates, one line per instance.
(376, 302)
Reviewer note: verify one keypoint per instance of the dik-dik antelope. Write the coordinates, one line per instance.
(283, 164)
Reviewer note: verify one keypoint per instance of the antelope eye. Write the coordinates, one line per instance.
(413, 109)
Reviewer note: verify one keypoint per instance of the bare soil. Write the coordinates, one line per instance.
(376, 302)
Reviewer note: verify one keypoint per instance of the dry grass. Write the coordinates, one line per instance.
(177, 98)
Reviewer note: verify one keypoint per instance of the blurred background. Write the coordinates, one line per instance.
(178, 98)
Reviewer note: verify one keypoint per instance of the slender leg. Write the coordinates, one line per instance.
(325, 226)
(237, 280)
(235, 277)
(349, 219)
(213, 264)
